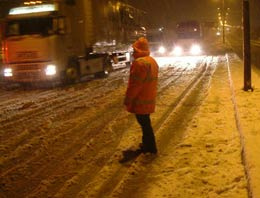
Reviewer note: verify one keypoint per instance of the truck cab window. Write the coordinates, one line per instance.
(42, 26)
(13, 29)
(190, 29)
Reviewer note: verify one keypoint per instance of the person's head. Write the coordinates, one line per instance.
(141, 48)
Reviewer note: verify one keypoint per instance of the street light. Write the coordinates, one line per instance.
(222, 18)
(246, 41)
(223, 24)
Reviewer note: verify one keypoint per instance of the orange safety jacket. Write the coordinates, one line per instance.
(142, 86)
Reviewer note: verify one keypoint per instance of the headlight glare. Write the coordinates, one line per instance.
(161, 50)
(195, 49)
(8, 72)
(50, 70)
(177, 51)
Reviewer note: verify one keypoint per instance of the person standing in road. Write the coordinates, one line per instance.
(141, 92)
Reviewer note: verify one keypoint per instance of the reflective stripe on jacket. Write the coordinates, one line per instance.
(142, 86)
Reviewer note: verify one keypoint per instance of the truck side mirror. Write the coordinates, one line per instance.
(61, 26)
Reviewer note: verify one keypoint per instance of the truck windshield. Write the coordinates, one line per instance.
(155, 37)
(186, 30)
(29, 26)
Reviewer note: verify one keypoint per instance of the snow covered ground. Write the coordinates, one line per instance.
(248, 107)
(68, 141)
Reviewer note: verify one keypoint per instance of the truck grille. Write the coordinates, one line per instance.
(27, 67)
(28, 72)
(31, 76)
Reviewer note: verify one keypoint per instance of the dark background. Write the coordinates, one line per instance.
(167, 12)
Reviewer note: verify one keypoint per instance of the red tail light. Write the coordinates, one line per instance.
(5, 52)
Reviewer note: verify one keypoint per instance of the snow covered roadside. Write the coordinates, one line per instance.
(206, 163)
(248, 104)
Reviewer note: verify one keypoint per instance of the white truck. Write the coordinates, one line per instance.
(189, 39)
(158, 42)
(63, 40)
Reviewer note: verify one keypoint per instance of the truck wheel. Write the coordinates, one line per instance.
(72, 73)
(107, 68)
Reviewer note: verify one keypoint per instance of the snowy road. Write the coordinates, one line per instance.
(67, 141)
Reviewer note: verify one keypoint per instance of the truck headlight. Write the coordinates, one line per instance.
(177, 51)
(161, 50)
(8, 72)
(50, 70)
(195, 49)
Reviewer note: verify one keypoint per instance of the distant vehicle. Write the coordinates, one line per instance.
(189, 38)
(67, 39)
(157, 41)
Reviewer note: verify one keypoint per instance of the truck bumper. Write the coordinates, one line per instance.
(30, 72)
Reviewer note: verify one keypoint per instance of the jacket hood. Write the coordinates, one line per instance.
(141, 48)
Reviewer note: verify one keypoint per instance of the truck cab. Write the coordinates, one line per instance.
(189, 39)
(157, 41)
(33, 48)
(51, 41)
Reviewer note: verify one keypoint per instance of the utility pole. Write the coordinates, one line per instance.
(223, 20)
(246, 46)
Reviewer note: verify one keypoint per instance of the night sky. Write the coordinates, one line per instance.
(168, 12)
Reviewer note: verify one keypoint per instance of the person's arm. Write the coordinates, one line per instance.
(136, 81)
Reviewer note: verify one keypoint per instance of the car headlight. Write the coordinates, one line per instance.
(50, 70)
(195, 49)
(177, 51)
(8, 72)
(161, 50)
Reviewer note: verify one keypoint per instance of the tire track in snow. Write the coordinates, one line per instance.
(53, 178)
(102, 187)
(174, 120)
(85, 172)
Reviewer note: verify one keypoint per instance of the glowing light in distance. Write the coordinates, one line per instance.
(161, 50)
(195, 49)
(177, 51)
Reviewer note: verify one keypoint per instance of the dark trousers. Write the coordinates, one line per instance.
(148, 139)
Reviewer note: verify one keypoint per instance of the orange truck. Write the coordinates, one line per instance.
(1, 51)
(64, 40)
